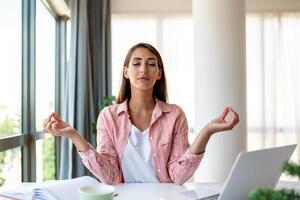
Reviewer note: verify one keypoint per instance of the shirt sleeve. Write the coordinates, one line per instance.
(103, 162)
(182, 163)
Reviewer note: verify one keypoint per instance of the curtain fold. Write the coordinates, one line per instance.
(88, 77)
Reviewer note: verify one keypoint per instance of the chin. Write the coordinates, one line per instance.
(144, 87)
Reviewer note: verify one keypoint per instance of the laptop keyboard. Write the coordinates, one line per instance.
(211, 197)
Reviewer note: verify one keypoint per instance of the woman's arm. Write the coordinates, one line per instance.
(57, 127)
(103, 163)
(185, 159)
(217, 125)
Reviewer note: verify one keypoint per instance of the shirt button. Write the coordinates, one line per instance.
(187, 156)
(154, 154)
(151, 138)
(158, 170)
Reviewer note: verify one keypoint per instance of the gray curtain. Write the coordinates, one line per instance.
(88, 77)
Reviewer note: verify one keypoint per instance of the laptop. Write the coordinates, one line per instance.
(251, 169)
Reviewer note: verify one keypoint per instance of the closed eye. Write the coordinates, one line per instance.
(135, 64)
(151, 63)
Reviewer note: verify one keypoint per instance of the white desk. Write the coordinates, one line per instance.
(134, 191)
(152, 191)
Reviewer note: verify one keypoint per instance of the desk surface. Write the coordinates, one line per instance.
(137, 191)
(157, 191)
(152, 191)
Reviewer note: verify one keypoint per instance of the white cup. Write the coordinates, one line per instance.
(96, 192)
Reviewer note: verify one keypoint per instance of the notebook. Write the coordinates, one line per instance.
(49, 190)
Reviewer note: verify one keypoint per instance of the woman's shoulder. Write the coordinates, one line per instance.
(110, 109)
(170, 107)
(115, 109)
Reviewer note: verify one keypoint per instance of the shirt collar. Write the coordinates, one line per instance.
(160, 107)
(123, 108)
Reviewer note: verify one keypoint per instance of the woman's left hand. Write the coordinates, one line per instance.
(220, 124)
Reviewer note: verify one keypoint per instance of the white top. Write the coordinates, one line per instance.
(137, 163)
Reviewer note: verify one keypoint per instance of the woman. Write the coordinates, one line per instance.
(142, 138)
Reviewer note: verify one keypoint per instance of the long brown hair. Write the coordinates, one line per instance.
(160, 86)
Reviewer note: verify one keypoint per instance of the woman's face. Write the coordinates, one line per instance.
(142, 70)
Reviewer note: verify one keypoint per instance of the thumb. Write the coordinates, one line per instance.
(57, 118)
(55, 127)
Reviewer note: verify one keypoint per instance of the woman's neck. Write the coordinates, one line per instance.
(141, 102)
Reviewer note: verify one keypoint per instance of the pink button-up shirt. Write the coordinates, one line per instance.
(168, 135)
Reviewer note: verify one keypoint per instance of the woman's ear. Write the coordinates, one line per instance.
(159, 74)
(126, 72)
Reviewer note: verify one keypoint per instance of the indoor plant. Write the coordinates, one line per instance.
(289, 168)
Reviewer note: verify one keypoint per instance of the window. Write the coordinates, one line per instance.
(273, 86)
(29, 53)
(172, 35)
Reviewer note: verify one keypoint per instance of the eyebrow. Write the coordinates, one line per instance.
(141, 58)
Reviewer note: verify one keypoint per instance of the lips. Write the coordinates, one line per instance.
(143, 78)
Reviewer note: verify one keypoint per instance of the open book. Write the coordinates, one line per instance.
(50, 190)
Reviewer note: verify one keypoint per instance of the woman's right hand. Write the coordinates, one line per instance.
(57, 127)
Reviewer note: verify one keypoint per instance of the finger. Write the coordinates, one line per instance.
(232, 122)
(55, 127)
(225, 112)
(48, 119)
(230, 125)
(235, 115)
(237, 118)
(57, 117)
(49, 126)
(44, 123)
(232, 110)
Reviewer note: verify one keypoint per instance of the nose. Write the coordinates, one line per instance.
(144, 68)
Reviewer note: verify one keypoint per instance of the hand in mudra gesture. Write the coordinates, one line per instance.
(57, 127)
(221, 124)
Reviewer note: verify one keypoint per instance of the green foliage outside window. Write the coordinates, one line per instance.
(292, 169)
(2, 156)
(49, 158)
(7, 127)
(106, 101)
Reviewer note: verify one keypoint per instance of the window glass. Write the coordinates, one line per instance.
(45, 156)
(10, 167)
(45, 63)
(272, 80)
(10, 67)
(45, 88)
